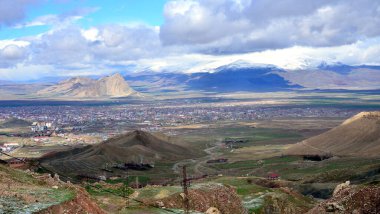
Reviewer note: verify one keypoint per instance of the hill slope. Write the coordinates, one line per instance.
(357, 136)
(134, 146)
(22, 192)
(80, 87)
(14, 122)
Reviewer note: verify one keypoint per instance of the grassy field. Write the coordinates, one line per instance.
(296, 169)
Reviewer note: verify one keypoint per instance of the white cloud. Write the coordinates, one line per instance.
(11, 54)
(201, 36)
(20, 43)
(294, 58)
(91, 34)
(232, 26)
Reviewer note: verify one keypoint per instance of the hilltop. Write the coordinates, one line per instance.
(81, 87)
(357, 136)
(136, 146)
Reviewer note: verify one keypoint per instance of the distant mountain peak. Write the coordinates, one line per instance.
(82, 87)
(242, 64)
(115, 76)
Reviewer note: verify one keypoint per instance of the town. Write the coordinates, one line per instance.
(113, 119)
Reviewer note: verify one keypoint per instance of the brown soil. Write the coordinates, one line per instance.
(80, 204)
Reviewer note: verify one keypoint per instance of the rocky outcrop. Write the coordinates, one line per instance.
(341, 187)
(29, 192)
(201, 197)
(79, 87)
(351, 199)
(285, 201)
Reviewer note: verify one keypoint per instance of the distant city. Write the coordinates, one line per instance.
(154, 116)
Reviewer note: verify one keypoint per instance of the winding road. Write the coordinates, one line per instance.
(199, 165)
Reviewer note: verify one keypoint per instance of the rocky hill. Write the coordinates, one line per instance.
(357, 136)
(26, 192)
(351, 199)
(80, 87)
(136, 146)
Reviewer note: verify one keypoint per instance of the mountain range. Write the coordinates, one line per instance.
(242, 76)
(224, 79)
(234, 77)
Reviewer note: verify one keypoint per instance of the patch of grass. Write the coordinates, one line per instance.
(282, 159)
(256, 209)
(235, 165)
(243, 187)
(99, 190)
(151, 192)
(20, 176)
(62, 195)
(252, 164)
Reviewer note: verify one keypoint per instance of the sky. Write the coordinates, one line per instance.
(47, 38)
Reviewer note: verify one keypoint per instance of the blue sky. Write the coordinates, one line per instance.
(98, 12)
(96, 37)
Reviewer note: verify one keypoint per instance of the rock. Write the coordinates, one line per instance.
(56, 177)
(333, 207)
(54, 187)
(213, 210)
(355, 212)
(340, 187)
(160, 204)
(182, 195)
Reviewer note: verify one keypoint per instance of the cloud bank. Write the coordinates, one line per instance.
(197, 35)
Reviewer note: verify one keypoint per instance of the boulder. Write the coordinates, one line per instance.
(212, 210)
(340, 187)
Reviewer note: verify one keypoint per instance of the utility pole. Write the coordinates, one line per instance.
(125, 188)
(126, 194)
(137, 182)
(185, 185)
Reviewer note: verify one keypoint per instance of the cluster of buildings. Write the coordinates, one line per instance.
(154, 116)
(42, 126)
(8, 147)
